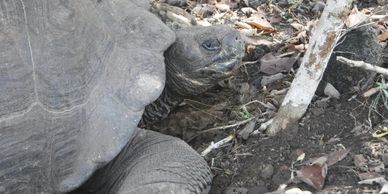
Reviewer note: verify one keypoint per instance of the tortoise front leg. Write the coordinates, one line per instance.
(152, 163)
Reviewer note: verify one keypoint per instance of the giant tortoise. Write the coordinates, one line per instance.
(75, 77)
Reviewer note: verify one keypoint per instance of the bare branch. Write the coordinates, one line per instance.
(364, 65)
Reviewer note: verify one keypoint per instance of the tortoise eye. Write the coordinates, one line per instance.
(211, 45)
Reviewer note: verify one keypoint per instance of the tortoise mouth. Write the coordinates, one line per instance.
(221, 69)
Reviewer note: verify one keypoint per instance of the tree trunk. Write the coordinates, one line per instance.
(303, 87)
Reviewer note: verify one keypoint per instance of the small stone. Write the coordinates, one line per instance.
(222, 7)
(322, 104)
(379, 168)
(331, 91)
(203, 10)
(236, 190)
(385, 159)
(266, 171)
(244, 133)
(296, 153)
(248, 11)
(317, 111)
(318, 7)
(360, 162)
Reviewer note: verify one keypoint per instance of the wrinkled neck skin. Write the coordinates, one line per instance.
(160, 108)
(178, 87)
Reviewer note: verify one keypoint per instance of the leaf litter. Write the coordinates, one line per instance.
(277, 35)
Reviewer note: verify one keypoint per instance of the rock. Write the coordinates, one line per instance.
(385, 159)
(359, 44)
(317, 111)
(331, 91)
(266, 171)
(244, 133)
(248, 10)
(296, 153)
(203, 10)
(379, 167)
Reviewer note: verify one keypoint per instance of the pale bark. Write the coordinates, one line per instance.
(303, 87)
(364, 65)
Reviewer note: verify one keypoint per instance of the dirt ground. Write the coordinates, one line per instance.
(254, 163)
(260, 164)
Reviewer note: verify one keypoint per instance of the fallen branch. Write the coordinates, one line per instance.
(216, 145)
(364, 65)
(303, 87)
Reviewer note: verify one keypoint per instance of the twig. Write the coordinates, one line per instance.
(364, 65)
(250, 62)
(227, 126)
(251, 102)
(216, 145)
(370, 92)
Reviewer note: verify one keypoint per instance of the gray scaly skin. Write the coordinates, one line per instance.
(196, 62)
(75, 77)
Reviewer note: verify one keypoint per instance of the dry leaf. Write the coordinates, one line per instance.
(336, 156)
(297, 26)
(262, 26)
(242, 25)
(314, 174)
(301, 157)
(259, 21)
(383, 36)
(252, 40)
(355, 18)
(384, 189)
(360, 162)
(272, 64)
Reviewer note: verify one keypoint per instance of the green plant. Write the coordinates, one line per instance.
(382, 95)
(245, 114)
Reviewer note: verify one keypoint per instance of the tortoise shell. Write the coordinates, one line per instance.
(74, 79)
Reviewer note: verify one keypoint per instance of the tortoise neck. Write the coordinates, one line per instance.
(178, 81)
(160, 108)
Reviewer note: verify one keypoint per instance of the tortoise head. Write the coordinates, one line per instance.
(201, 57)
